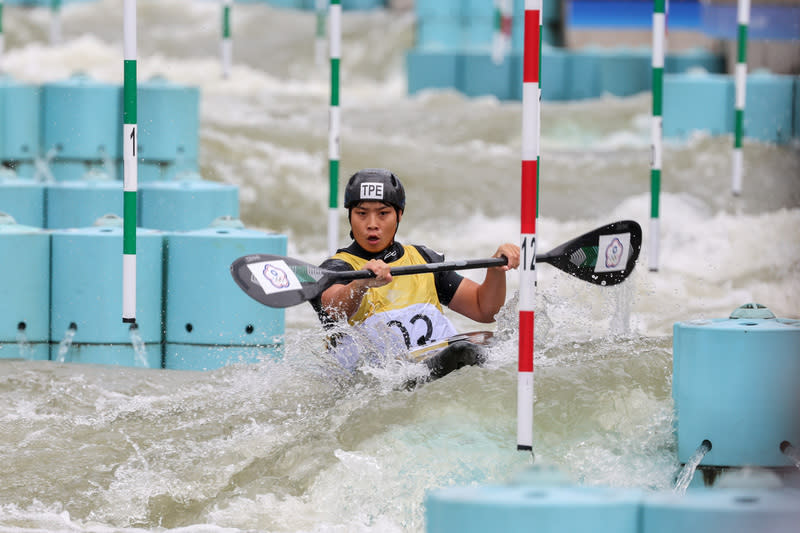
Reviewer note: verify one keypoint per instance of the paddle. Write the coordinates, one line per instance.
(604, 256)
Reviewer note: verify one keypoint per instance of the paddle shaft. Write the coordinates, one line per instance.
(426, 268)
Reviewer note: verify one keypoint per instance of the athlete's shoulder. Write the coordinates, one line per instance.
(430, 255)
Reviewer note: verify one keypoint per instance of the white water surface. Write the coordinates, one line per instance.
(287, 446)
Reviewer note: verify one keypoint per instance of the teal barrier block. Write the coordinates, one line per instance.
(428, 69)
(768, 107)
(722, 511)
(86, 280)
(584, 74)
(362, 5)
(797, 107)
(82, 119)
(451, 9)
(736, 383)
(78, 204)
(697, 101)
(24, 291)
(697, 58)
(625, 72)
(186, 205)
(438, 34)
(19, 127)
(206, 308)
(513, 509)
(168, 122)
(148, 356)
(477, 25)
(23, 199)
(555, 74)
(210, 357)
(481, 76)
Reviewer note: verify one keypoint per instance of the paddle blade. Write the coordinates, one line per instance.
(279, 281)
(604, 256)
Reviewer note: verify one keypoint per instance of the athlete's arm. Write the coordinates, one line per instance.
(481, 302)
(344, 300)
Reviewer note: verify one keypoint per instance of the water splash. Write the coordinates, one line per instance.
(686, 475)
(791, 452)
(25, 348)
(66, 342)
(139, 350)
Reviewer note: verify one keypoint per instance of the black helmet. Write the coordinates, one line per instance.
(376, 184)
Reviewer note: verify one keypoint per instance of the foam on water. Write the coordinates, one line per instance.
(293, 445)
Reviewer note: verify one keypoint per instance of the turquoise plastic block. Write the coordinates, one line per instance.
(481, 76)
(555, 73)
(768, 107)
(205, 307)
(439, 8)
(736, 383)
(23, 199)
(24, 290)
(625, 72)
(86, 279)
(797, 107)
(33, 351)
(361, 5)
(513, 509)
(584, 74)
(149, 356)
(696, 58)
(19, 127)
(186, 205)
(86, 169)
(697, 101)
(210, 357)
(82, 118)
(437, 34)
(78, 204)
(722, 511)
(429, 69)
(168, 122)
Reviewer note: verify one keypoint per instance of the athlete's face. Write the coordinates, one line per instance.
(374, 225)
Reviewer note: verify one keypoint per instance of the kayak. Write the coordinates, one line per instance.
(443, 357)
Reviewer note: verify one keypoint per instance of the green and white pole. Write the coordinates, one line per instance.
(55, 22)
(227, 42)
(741, 85)
(657, 128)
(319, 41)
(501, 39)
(334, 129)
(130, 166)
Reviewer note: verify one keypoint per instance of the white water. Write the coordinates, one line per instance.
(279, 446)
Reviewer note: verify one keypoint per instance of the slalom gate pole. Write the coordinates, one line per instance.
(657, 129)
(334, 128)
(743, 19)
(530, 153)
(55, 22)
(227, 42)
(130, 165)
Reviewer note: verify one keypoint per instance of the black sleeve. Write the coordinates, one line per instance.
(336, 265)
(447, 283)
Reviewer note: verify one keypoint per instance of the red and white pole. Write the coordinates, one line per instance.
(527, 287)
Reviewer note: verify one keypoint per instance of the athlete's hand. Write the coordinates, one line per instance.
(511, 252)
(382, 273)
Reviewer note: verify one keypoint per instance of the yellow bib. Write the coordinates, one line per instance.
(402, 292)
